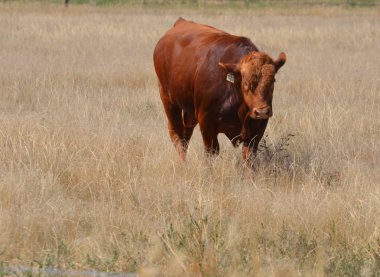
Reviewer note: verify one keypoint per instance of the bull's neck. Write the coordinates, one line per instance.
(243, 111)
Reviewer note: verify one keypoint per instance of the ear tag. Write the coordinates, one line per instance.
(230, 77)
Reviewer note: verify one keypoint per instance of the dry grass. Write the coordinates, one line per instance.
(90, 179)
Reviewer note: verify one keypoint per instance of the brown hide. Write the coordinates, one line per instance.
(192, 62)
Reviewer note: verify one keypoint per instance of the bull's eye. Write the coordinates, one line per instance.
(246, 85)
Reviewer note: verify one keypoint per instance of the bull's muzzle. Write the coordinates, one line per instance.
(263, 113)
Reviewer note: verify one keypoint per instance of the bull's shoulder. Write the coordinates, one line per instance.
(245, 42)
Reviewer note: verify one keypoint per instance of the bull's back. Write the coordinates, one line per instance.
(190, 50)
(179, 54)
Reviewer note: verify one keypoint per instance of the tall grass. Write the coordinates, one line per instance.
(90, 179)
(221, 3)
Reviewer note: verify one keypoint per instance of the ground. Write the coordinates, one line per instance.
(89, 177)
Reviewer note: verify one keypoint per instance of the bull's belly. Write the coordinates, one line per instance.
(184, 100)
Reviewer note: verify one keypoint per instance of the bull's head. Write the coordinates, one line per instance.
(257, 74)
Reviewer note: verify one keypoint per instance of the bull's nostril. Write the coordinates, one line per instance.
(262, 113)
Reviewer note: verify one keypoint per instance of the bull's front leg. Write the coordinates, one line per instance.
(249, 154)
(252, 133)
(208, 127)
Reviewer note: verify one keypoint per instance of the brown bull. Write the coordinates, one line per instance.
(221, 81)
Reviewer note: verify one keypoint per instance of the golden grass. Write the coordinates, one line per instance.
(90, 179)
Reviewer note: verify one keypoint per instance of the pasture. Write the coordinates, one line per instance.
(89, 178)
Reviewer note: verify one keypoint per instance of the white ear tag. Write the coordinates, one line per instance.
(230, 77)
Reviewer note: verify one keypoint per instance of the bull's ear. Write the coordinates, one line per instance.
(232, 71)
(230, 67)
(280, 61)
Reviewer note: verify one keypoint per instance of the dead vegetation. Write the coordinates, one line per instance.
(90, 179)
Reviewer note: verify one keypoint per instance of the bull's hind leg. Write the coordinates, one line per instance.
(189, 122)
(176, 129)
(175, 126)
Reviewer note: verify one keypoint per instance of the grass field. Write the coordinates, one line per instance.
(90, 179)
